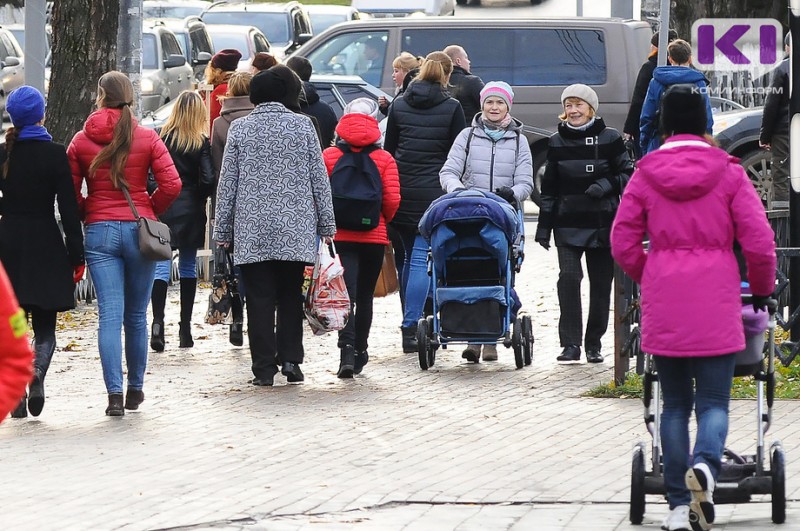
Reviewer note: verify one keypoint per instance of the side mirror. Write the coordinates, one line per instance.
(174, 60)
(202, 58)
(304, 38)
(11, 61)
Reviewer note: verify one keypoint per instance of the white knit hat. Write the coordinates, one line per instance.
(583, 92)
(362, 106)
(500, 89)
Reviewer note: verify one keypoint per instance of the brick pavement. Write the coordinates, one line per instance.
(456, 447)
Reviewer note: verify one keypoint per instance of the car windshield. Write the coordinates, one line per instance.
(149, 52)
(237, 41)
(171, 11)
(274, 25)
(322, 21)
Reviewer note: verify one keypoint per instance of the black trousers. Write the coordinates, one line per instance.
(274, 285)
(600, 267)
(362, 264)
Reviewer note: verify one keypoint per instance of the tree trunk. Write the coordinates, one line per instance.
(685, 12)
(84, 48)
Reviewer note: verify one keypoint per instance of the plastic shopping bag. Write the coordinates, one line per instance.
(327, 304)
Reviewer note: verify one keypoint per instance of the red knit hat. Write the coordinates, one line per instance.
(226, 60)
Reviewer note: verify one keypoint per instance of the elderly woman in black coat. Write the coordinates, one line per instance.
(42, 266)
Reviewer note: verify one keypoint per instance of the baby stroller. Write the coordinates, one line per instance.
(476, 245)
(741, 475)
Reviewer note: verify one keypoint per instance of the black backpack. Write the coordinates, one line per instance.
(357, 189)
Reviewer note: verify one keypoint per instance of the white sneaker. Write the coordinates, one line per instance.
(700, 481)
(490, 353)
(677, 519)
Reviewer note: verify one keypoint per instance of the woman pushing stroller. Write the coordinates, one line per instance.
(491, 155)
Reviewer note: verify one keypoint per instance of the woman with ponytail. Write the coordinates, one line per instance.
(113, 152)
(43, 267)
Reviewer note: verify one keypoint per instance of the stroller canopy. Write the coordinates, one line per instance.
(471, 205)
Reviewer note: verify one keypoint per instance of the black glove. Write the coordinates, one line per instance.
(595, 191)
(760, 302)
(508, 194)
(544, 243)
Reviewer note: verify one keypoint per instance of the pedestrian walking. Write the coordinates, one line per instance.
(464, 85)
(422, 125)
(184, 134)
(42, 266)
(273, 201)
(15, 354)
(774, 135)
(362, 251)
(491, 155)
(218, 72)
(692, 200)
(679, 71)
(113, 154)
(402, 66)
(587, 169)
(310, 103)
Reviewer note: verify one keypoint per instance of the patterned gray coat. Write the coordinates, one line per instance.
(274, 195)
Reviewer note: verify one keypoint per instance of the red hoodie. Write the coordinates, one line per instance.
(359, 131)
(16, 358)
(106, 203)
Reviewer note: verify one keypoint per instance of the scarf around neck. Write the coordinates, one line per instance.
(496, 130)
(34, 132)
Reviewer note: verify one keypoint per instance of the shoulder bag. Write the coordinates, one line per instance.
(154, 236)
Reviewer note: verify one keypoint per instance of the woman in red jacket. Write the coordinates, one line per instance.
(15, 354)
(113, 153)
(361, 251)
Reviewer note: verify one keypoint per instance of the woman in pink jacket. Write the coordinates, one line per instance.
(692, 200)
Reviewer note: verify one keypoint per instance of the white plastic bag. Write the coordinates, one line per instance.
(327, 304)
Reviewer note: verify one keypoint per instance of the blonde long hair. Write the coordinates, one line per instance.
(436, 68)
(185, 129)
(115, 91)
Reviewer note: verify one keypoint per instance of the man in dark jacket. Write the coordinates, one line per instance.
(775, 129)
(631, 129)
(464, 86)
(311, 104)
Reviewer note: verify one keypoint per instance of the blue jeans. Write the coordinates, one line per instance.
(710, 397)
(415, 278)
(123, 279)
(187, 265)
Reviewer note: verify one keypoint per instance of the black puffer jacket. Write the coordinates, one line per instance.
(186, 217)
(421, 128)
(311, 105)
(639, 94)
(575, 161)
(775, 120)
(466, 88)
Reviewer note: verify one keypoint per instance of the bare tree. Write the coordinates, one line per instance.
(685, 12)
(84, 48)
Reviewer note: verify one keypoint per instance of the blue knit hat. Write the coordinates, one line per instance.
(25, 105)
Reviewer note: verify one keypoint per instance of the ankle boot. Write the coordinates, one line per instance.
(347, 361)
(21, 411)
(115, 407)
(43, 349)
(362, 358)
(409, 339)
(158, 299)
(188, 289)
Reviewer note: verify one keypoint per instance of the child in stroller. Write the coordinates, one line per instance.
(476, 245)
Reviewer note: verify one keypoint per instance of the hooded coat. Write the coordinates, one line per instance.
(663, 77)
(232, 108)
(489, 165)
(360, 131)
(311, 105)
(421, 127)
(692, 200)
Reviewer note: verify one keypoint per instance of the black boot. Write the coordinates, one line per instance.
(44, 349)
(236, 336)
(409, 339)
(115, 407)
(188, 289)
(158, 299)
(362, 358)
(21, 411)
(347, 361)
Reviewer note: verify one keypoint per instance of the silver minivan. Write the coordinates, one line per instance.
(165, 73)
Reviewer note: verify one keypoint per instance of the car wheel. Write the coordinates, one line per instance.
(758, 164)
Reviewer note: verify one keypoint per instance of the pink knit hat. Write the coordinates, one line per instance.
(500, 89)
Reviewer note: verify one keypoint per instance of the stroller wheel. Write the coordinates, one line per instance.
(527, 339)
(423, 344)
(637, 485)
(778, 471)
(516, 343)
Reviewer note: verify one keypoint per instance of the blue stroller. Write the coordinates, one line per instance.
(476, 245)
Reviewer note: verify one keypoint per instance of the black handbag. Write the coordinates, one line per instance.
(224, 301)
(154, 236)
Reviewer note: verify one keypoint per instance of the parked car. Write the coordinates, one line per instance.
(719, 105)
(12, 65)
(324, 16)
(18, 30)
(247, 39)
(478, 2)
(195, 42)
(173, 8)
(402, 8)
(285, 25)
(164, 70)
